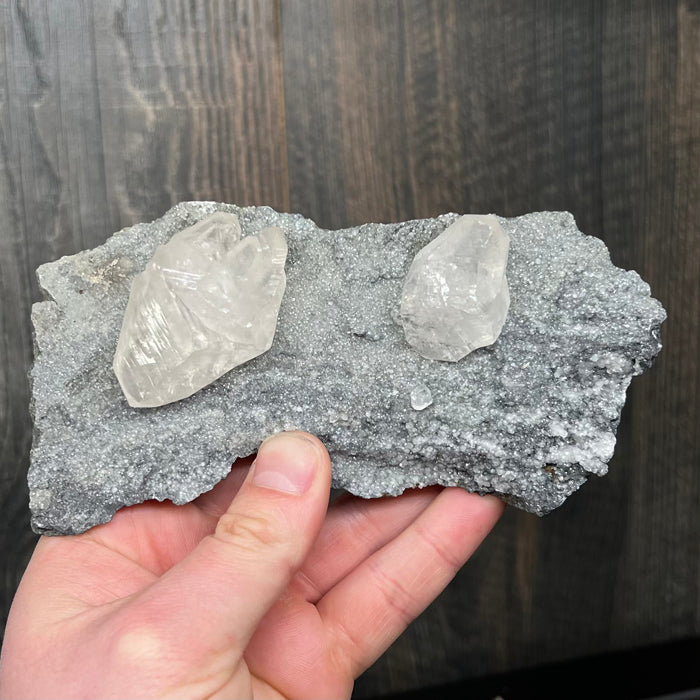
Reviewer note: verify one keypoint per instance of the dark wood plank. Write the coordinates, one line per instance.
(438, 106)
(110, 113)
(16, 541)
(659, 570)
(406, 109)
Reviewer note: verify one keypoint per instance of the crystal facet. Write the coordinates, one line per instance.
(206, 302)
(455, 297)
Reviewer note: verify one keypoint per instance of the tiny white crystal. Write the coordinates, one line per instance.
(206, 302)
(455, 298)
(421, 397)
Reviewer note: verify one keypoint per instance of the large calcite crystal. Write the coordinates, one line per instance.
(206, 302)
(529, 418)
(455, 298)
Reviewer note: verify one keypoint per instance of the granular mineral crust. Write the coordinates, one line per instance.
(528, 418)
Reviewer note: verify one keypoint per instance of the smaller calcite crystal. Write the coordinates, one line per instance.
(206, 302)
(455, 297)
(421, 397)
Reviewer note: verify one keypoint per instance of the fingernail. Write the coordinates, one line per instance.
(286, 462)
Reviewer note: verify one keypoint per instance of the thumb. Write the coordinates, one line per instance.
(224, 587)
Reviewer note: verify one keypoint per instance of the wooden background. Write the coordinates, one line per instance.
(351, 111)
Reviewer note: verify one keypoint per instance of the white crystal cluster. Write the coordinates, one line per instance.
(455, 297)
(207, 301)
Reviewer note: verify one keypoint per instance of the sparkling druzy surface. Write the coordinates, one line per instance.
(455, 297)
(206, 302)
(529, 418)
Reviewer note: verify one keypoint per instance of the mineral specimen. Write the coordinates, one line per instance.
(455, 298)
(530, 417)
(206, 302)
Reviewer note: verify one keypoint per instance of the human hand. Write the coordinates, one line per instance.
(255, 595)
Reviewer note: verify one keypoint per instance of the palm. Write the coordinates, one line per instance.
(143, 542)
(307, 644)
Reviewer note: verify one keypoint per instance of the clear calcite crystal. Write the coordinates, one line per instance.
(455, 297)
(206, 302)
(421, 397)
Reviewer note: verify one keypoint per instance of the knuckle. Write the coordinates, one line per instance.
(396, 596)
(366, 528)
(445, 558)
(346, 651)
(247, 531)
(155, 658)
(140, 643)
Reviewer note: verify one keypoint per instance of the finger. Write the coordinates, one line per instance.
(153, 535)
(227, 583)
(289, 644)
(354, 529)
(369, 609)
(156, 535)
(215, 503)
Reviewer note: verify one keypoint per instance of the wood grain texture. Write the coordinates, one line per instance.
(385, 110)
(514, 107)
(110, 113)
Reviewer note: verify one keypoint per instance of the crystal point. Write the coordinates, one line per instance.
(455, 297)
(207, 301)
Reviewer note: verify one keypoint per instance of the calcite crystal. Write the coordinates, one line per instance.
(455, 297)
(529, 418)
(421, 397)
(206, 303)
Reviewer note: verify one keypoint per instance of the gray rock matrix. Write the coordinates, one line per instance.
(529, 418)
